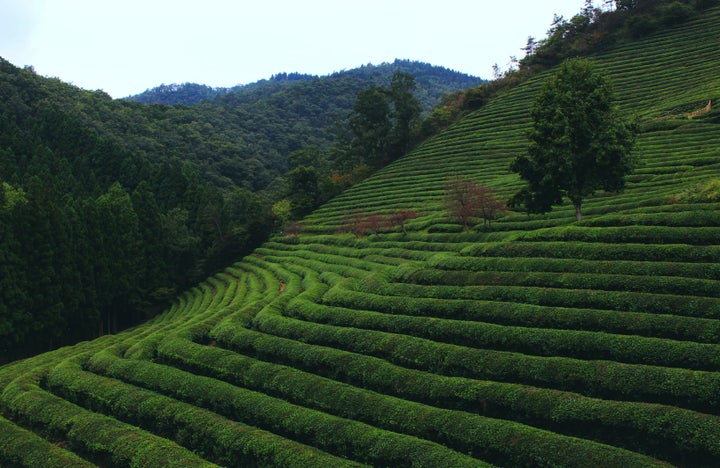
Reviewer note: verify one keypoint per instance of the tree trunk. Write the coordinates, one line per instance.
(578, 212)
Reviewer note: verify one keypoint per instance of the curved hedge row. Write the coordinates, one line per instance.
(224, 441)
(533, 341)
(651, 303)
(699, 390)
(700, 236)
(338, 436)
(598, 251)
(88, 432)
(21, 447)
(661, 430)
(576, 265)
(671, 285)
(354, 296)
(489, 439)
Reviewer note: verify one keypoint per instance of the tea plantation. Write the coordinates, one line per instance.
(544, 342)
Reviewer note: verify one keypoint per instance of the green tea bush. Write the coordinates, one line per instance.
(224, 441)
(671, 285)
(21, 447)
(490, 439)
(672, 432)
(691, 306)
(576, 265)
(528, 315)
(697, 390)
(626, 235)
(598, 251)
(342, 437)
(93, 433)
(535, 341)
(690, 218)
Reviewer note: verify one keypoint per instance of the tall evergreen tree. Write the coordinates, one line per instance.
(120, 273)
(370, 123)
(406, 112)
(15, 319)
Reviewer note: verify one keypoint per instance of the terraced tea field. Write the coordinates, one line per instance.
(544, 342)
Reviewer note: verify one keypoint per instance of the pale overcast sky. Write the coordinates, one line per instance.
(127, 46)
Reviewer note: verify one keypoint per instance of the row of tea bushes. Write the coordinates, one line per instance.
(356, 296)
(217, 438)
(489, 439)
(339, 436)
(637, 426)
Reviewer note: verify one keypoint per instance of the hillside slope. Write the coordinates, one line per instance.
(544, 342)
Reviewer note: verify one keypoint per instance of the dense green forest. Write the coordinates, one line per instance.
(108, 208)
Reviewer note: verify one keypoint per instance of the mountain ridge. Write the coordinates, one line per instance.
(195, 93)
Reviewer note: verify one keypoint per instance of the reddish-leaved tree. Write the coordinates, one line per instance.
(374, 223)
(466, 200)
(399, 218)
(490, 207)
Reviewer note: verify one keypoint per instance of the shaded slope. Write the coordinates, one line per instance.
(544, 342)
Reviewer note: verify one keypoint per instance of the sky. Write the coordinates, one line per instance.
(124, 47)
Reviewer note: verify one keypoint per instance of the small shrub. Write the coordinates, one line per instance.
(704, 192)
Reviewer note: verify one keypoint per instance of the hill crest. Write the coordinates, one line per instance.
(433, 81)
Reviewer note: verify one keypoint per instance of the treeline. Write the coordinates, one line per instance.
(77, 263)
(336, 90)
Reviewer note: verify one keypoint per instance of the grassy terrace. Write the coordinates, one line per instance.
(543, 342)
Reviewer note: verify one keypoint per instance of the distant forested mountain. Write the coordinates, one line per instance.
(178, 94)
(109, 207)
(261, 123)
(432, 83)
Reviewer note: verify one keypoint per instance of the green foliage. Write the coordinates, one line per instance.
(20, 447)
(282, 210)
(174, 94)
(94, 434)
(675, 13)
(471, 433)
(226, 442)
(304, 189)
(384, 122)
(579, 143)
(703, 192)
(343, 437)
(560, 410)
(617, 381)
